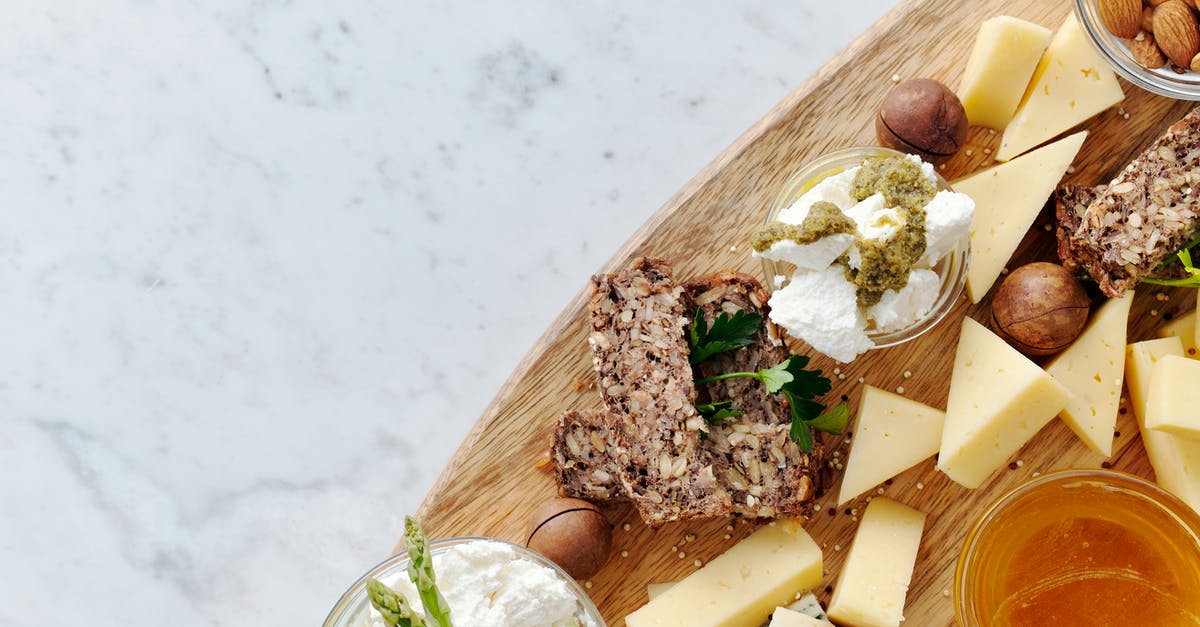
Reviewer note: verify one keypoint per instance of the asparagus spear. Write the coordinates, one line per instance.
(420, 570)
(393, 606)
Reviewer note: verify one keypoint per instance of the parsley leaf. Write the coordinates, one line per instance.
(798, 386)
(716, 413)
(728, 333)
(1191, 280)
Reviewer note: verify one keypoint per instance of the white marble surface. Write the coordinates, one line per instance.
(262, 264)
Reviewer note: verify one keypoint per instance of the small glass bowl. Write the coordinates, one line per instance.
(951, 268)
(1068, 525)
(354, 607)
(1164, 81)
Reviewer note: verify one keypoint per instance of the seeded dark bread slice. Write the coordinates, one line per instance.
(582, 455)
(640, 355)
(1070, 203)
(765, 472)
(1147, 213)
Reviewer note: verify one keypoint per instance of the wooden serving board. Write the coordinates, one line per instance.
(498, 474)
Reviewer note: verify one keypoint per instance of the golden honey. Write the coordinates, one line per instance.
(1082, 547)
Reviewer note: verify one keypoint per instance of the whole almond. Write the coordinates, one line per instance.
(1195, 67)
(1148, 19)
(1176, 32)
(1123, 18)
(1145, 52)
(1155, 3)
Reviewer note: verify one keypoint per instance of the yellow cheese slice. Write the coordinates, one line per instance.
(1184, 328)
(1176, 461)
(998, 401)
(741, 586)
(892, 434)
(1005, 55)
(1071, 84)
(783, 617)
(1007, 199)
(871, 588)
(655, 590)
(1173, 398)
(1092, 369)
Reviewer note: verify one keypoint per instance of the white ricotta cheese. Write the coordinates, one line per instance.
(896, 310)
(947, 220)
(834, 189)
(815, 256)
(486, 584)
(820, 307)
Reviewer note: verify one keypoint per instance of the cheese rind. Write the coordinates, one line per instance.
(1004, 57)
(891, 435)
(1007, 199)
(1184, 328)
(740, 587)
(1173, 397)
(1092, 369)
(1176, 460)
(1071, 84)
(871, 588)
(783, 617)
(998, 401)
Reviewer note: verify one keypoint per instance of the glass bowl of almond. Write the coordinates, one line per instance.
(1151, 43)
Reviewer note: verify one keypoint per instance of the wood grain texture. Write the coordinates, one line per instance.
(497, 476)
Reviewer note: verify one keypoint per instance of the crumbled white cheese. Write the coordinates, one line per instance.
(947, 220)
(820, 307)
(896, 310)
(486, 584)
(834, 189)
(814, 256)
(926, 168)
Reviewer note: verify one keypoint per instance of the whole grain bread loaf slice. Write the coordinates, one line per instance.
(640, 355)
(754, 460)
(1147, 213)
(765, 472)
(582, 451)
(1070, 203)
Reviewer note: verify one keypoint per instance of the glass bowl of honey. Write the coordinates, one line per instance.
(1081, 547)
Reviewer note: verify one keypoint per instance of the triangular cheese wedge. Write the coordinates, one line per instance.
(1176, 460)
(1092, 369)
(1184, 328)
(1007, 199)
(1071, 84)
(892, 434)
(998, 401)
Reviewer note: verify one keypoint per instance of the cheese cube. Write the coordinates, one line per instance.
(998, 401)
(892, 434)
(1173, 398)
(874, 580)
(1071, 84)
(741, 586)
(1184, 328)
(783, 617)
(1092, 369)
(1007, 199)
(1005, 55)
(1176, 460)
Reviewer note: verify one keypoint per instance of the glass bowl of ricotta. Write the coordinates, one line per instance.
(486, 582)
(807, 299)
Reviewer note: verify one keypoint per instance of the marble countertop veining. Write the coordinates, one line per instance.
(262, 264)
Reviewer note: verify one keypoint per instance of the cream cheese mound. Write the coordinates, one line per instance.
(486, 584)
(818, 304)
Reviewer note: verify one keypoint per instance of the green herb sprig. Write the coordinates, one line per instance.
(799, 387)
(728, 333)
(1193, 273)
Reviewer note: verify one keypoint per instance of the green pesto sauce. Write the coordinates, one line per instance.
(823, 219)
(885, 263)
